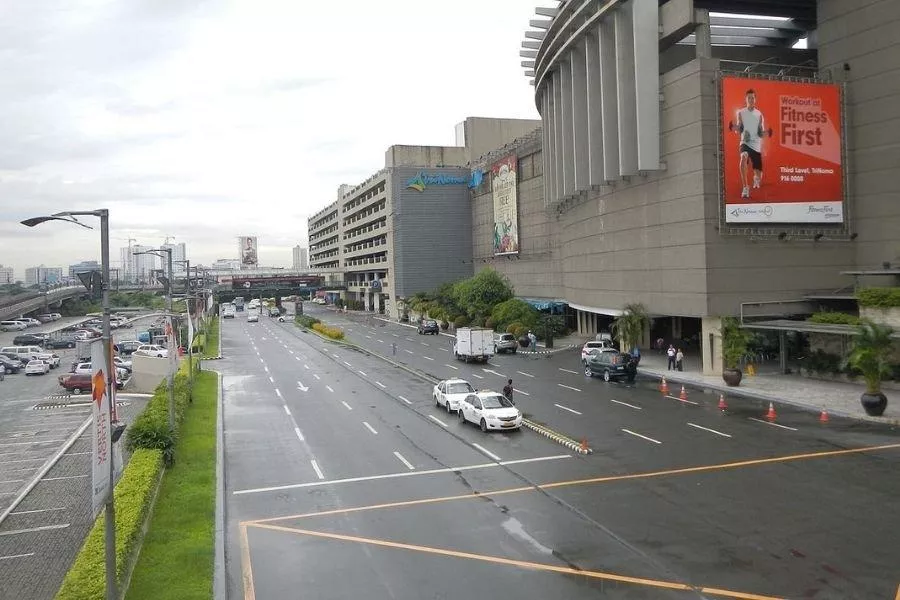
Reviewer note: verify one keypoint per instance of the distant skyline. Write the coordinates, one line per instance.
(205, 121)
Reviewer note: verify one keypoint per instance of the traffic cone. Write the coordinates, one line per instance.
(663, 386)
(770, 415)
(584, 445)
(823, 416)
(683, 394)
(722, 405)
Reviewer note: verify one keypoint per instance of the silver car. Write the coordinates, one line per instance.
(505, 342)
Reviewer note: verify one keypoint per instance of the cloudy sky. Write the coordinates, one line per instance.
(207, 119)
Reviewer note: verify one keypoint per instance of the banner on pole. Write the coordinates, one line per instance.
(101, 440)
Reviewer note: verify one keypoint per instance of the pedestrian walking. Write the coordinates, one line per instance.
(508, 391)
(636, 355)
(660, 345)
(671, 352)
(394, 348)
(532, 339)
(679, 358)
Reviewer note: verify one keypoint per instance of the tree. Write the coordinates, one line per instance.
(872, 347)
(514, 311)
(734, 342)
(629, 326)
(478, 295)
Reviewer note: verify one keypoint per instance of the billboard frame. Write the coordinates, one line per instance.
(511, 158)
(802, 231)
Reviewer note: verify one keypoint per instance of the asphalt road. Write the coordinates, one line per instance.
(343, 481)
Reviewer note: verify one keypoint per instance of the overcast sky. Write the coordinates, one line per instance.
(208, 119)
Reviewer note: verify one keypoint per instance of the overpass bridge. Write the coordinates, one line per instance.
(40, 302)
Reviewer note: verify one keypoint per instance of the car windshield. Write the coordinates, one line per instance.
(496, 401)
(430, 323)
(459, 387)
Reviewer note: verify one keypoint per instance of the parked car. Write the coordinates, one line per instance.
(51, 358)
(56, 316)
(23, 353)
(78, 383)
(611, 365)
(85, 368)
(505, 342)
(127, 347)
(11, 365)
(60, 342)
(449, 393)
(37, 367)
(595, 345)
(152, 350)
(428, 326)
(29, 322)
(489, 410)
(12, 326)
(122, 363)
(45, 318)
(30, 339)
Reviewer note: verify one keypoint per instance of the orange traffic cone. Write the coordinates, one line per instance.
(823, 417)
(722, 405)
(683, 394)
(663, 386)
(584, 445)
(770, 415)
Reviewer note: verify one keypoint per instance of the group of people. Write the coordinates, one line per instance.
(676, 359)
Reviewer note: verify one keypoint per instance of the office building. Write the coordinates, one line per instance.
(226, 264)
(42, 275)
(301, 258)
(179, 255)
(143, 265)
(7, 275)
(83, 267)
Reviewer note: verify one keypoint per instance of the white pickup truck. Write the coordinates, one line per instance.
(474, 343)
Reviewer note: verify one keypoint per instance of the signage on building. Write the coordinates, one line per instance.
(284, 282)
(424, 179)
(506, 205)
(783, 151)
(247, 247)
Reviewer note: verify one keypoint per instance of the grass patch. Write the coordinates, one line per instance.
(211, 339)
(177, 556)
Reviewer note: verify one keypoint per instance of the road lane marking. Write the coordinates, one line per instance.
(452, 367)
(369, 337)
(34, 529)
(404, 461)
(380, 341)
(487, 452)
(427, 358)
(302, 387)
(306, 367)
(348, 364)
(395, 335)
(291, 352)
(404, 399)
(438, 421)
(265, 368)
(401, 474)
(317, 377)
(316, 468)
(30, 512)
(424, 344)
(567, 408)
(363, 373)
(569, 371)
(626, 404)
(478, 376)
(772, 424)
(278, 393)
(370, 428)
(680, 400)
(299, 433)
(12, 556)
(13, 480)
(346, 405)
(287, 410)
(643, 437)
(336, 356)
(328, 387)
(728, 435)
(568, 387)
(518, 391)
(271, 380)
(525, 374)
(381, 385)
(408, 351)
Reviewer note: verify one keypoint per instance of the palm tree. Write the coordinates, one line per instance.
(629, 326)
(872, 347)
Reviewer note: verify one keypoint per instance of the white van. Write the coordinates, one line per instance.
(12, 326)
(25, 353)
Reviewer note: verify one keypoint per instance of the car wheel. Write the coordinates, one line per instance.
(588, 372)
(449, 410)
(437, 402)
(606, 376)
(483, 426)
(76, 391)
(461, 416)
(513, 350)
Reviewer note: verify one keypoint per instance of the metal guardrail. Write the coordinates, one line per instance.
(35, 302)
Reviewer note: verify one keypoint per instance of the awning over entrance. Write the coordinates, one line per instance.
(554, 306)
(805, 327)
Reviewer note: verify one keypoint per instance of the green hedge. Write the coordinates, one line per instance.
(304, 321)
(211, 340)
(887, 297)
(198, 344)
(150, 429)
(87, 578)
(834, 318)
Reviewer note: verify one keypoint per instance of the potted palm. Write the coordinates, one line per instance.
(734, 346)
(629, 326)
(872, 347)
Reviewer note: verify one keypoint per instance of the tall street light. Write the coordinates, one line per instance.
(170, 380)
(116, 428)
(190, 345)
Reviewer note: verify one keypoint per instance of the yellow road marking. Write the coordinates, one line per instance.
(671, 585)
(897, 597)
(246, 567)
(591, 480)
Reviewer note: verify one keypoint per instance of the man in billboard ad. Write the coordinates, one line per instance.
(783, 151)
(506, 209)
(248, 251)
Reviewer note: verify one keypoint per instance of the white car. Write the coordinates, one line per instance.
(489, 410)
(449, 393)
(600, 345)
(51, 358)
(152, 350)
(122, 363)
(29, 322)
(12, 326)
(86, 369)
(37, 367)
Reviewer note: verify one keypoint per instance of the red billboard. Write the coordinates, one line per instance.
(783, 151)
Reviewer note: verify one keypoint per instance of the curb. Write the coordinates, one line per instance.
(220, 586)
(557, 437)
(752, 395)
(544, 352)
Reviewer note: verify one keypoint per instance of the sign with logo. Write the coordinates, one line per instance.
(101, 442)
(783, 151)
(506, 206)
(424, 179)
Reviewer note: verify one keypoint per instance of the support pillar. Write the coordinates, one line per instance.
(702, 34)
(782, 351)
(365, 295)
(711, 345)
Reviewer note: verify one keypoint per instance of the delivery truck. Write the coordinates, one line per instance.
(474, 344)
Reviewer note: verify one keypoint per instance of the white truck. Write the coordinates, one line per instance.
(289, 308)
(228, 311)
(474, 343)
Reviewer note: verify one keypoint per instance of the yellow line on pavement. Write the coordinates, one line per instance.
(588, 481)
(670, 585)
(897, 597)
(246, 567)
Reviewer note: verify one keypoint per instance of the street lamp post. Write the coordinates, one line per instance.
(187, 305)
(110, 512)
(170, 379)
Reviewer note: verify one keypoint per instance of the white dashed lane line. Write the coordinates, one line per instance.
(404, 399)
(569, 371)
(452, 367)
(568, 387)
(381, 385)
(427, 358)
(328, 387)
(299, 434)
(628, 405)
(347, 406)
(316, 468)
(772, 424)
(348, 364)
(727, 435)
(370, 428)
(486, 451)
(363, 373)
(518, 391)
(404, 461)
(477, 376)
(287, 411)
(408, 351)
(643, 437)
(278, 393)
(316, 376)
(525, 374)
(567, 408)
(438, 421)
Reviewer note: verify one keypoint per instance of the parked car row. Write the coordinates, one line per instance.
(32, 361)
(487, 409)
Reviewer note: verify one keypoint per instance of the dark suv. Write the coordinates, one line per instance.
(428, 326)
(611, 365)
(30, 339)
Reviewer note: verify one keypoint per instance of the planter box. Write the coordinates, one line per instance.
(885, 316)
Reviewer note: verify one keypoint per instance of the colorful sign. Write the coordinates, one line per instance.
(783, 154)
(506, 207)
(101, 444)
(422, 180)
(247, 251)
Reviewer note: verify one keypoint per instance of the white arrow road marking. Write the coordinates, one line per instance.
(370, 428)
(643, 437)
(710, 430)
(567, 408)
(404, 461)
(302, 387)
(438, 421)
(316, 468)
(487, 452)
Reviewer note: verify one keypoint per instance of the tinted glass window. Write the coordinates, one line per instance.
(459, 388)
(497, 401)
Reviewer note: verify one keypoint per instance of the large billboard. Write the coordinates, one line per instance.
(506, 208)
(247, 251)
(783, 150)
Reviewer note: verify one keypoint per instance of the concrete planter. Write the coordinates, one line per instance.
(885, 316)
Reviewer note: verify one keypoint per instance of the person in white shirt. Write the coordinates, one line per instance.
(751, 129)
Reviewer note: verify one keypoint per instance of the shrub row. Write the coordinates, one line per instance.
(834, 318)
(888, 297)
(305, 321)
(150, 429)
(86, 580)
(335, 333)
